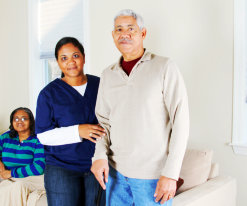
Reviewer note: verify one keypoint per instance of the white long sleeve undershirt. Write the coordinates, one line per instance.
(60, 136)
(63, 135)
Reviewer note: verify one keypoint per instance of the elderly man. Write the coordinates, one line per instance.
(142, 104)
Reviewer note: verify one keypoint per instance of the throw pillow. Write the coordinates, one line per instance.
(179, 183)
(195, 168)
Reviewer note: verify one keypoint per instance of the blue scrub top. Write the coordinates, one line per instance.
(60, 105)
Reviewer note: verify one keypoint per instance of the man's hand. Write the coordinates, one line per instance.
(100, 169)
(5, 174)
(165, 189)
(2, 168)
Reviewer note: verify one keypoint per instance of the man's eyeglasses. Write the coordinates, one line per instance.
(23, 119)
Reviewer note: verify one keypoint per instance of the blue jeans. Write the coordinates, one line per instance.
(124, 191)
(71, 188)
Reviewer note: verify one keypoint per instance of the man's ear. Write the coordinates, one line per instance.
(144, 33)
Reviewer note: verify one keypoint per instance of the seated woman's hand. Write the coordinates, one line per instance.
(5, 174)
(2, 168)
(91, 132)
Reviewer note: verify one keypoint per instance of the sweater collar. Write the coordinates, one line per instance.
(145, 57)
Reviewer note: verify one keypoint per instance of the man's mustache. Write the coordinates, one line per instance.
(124, 40)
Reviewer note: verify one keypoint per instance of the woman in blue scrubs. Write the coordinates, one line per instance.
(67, 127)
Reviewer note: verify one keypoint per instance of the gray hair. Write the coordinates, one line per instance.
(129, 12)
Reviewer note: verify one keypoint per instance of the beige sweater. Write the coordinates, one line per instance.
(146, 117)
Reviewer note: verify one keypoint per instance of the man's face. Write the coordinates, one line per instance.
(127, 36)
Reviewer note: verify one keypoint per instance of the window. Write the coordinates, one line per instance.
(239, 136)
(49, 21)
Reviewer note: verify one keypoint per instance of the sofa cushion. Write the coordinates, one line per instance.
(195, 168)
(214, 172)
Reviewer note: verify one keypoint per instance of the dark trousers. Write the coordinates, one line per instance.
(71, 188)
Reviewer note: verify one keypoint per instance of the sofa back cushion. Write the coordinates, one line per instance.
(214, 172)
(195, 168)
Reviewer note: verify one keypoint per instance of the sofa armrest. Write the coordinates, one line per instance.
(218, 191)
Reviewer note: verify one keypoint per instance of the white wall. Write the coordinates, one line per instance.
(13, 58)
(198, 35)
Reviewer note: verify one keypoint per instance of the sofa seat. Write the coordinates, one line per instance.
(219, 191)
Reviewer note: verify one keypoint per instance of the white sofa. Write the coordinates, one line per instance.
(219, 191)
(203, 186)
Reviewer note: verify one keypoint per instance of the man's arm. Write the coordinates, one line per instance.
(100, 167)
(176, 102)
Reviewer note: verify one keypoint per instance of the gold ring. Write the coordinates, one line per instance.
(90, 134)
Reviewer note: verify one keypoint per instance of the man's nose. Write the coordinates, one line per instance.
(125, 34)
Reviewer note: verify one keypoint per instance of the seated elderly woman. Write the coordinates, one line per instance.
(23, 160)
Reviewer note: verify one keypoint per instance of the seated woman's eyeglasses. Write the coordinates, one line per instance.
(23, 119)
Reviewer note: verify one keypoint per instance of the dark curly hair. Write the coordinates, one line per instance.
(13, 133)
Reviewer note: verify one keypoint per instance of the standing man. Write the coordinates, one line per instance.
(142, 104)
